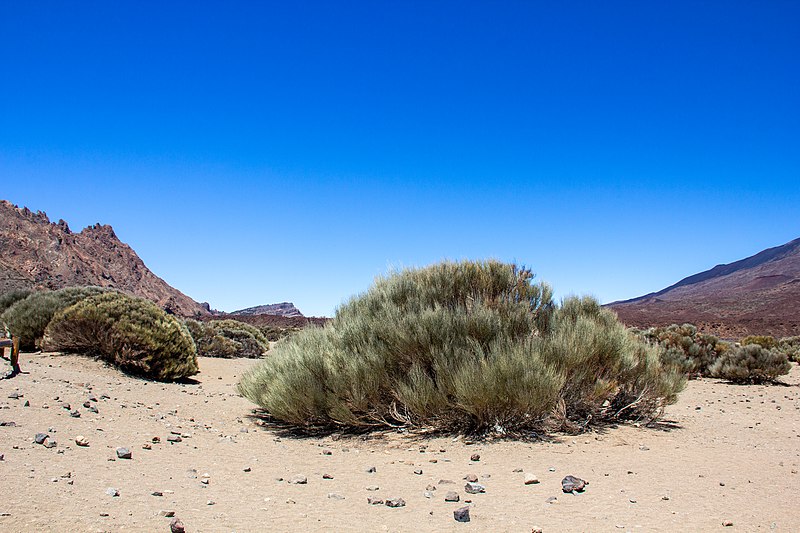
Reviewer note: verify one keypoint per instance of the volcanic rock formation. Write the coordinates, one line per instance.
(756, 295)
(39, 254)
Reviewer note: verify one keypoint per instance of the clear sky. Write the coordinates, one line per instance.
(256, 152)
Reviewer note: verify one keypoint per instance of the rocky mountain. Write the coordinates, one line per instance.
(36, 253)
(286, 309)
(756, 295)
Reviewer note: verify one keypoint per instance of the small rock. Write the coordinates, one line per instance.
(327, 476)
(247, 469)
(430, 487)
(461, 514)
(335, 496)
(373, 488)
(517, 470)
(176, 526)
(472, 478)
(8, 424)
(396, 502)
(93, 409)
(727, 523)
(26, 404)
(111, 491)
(327, 452)
(418, 471)
(174, 438)
(40, 438)
(156, 493)
(451, 496)
(551, 500)
(474, 488)
(80, 440)
(211, 502)
(50, 443)
(87, 404)
(573, 484)
(167, 513)
(552, 469)
(531, 479)
(75, 414)
(15, 395)
(428, 494)
(155, 440)
(475, 457)
(371, 470)
(299, 480)
(124, 453)
(375, 501)
(66, 406)
(147, 446)
(665, 498)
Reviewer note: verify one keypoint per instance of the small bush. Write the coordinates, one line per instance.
(10, 298)
(275, 333)
(765, 341)
(462, 346)
(28, 318)
(686, 349)
(130, 333)
(751, 363)
(791, 347)
(227, 338)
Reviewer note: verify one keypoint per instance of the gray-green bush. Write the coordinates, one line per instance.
(791, 347)
(9, 298)
(227, 338)
(470, 346)
(685, 348)
(28, 318)
(130, 333)
(751, 363)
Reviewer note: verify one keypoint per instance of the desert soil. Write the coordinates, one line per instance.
(727, 454)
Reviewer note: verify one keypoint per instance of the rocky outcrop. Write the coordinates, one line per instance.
(286, 309)
(39, 254)
(756, 295)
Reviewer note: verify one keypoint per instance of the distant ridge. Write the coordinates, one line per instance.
(756, 295)
(286, 309)
(38, 254)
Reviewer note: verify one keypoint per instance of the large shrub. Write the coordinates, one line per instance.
(765, 341)
(685, 348)
(130, 333)
(751, 363)
(227, 338)
(462, 346)
(28, 318)
(8, 299)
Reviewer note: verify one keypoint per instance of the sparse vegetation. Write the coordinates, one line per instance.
(765, 341)
(791, 347)
(227, 338)
(751, 363)
(473, 346)
(130, 333)
(28, 317)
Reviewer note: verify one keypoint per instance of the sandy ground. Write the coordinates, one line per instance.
(733, 456)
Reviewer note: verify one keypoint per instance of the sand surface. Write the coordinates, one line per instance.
(733, 455)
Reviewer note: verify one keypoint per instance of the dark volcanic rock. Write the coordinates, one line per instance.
(572, 484)
(461, 514)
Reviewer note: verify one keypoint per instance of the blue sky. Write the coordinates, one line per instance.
(256, 152)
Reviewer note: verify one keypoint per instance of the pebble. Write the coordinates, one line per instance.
(80, 440)
(396, 502)
(75, 414)
(373, 488)
(475, 457)
(531, 479)
(167, 513)
(371, 470)
(461, 514)
(335, 496)
(176, 526)
(111, 491)
(124, 453)
(418, 471)
(375, 501)
(327, 476)
(40, 438)
(299, 480)
(573, 484)
(452, 496)
(472, 478)
(211, 502)
(474, 488)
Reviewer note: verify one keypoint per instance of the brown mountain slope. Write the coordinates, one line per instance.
(35, 253)
(757, 295)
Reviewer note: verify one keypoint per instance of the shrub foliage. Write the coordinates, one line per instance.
(751, 363)
(471, 346)
(28, 318)
(10, 298)
(227, 338)
(685, 348)
(791, 347)
(130, 333)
